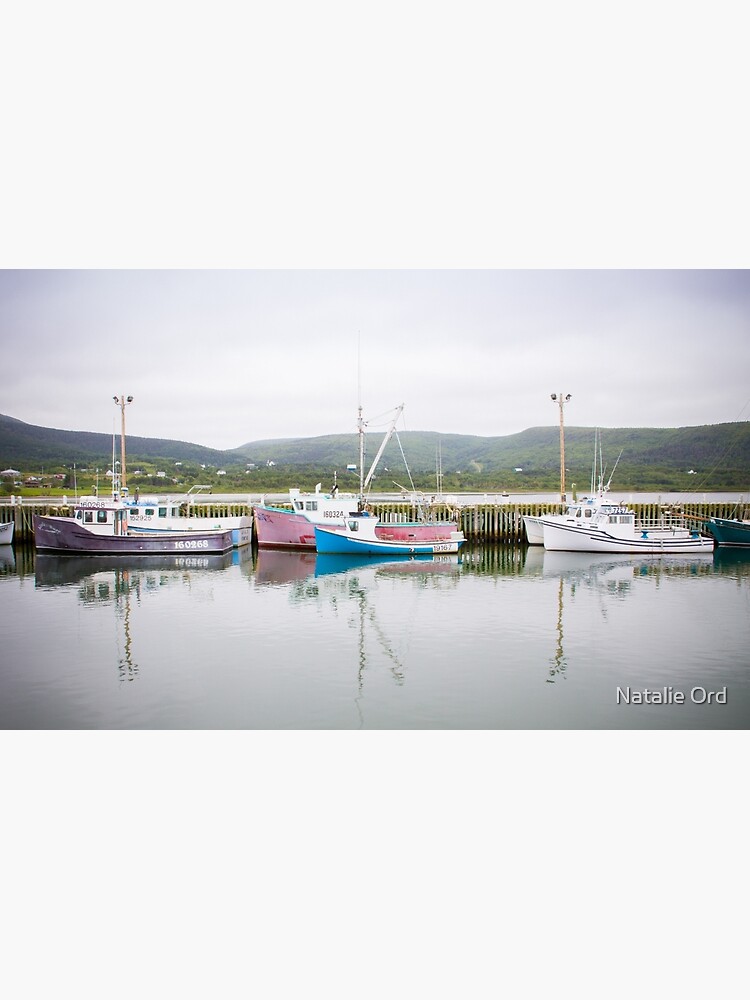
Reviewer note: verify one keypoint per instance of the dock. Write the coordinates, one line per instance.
(491, 521)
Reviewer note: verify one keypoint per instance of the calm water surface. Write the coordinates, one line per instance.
(508, 638)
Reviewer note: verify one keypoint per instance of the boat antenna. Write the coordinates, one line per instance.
(360, 423)
(115, 474)
(613, 471)
(594, 463)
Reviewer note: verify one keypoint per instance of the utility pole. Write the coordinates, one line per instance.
(122, 402)
(561, 400)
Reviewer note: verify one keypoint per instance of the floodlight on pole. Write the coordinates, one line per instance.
(557, 397)
(122, 402)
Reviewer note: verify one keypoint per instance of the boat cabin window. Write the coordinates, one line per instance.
(88, 517)
(299, 505)
(588, 512)
(149, 512)
(354, 526)
(101, 517)
(162, 512)
(311, 505)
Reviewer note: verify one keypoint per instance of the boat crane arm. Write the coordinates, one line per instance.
(381, 449)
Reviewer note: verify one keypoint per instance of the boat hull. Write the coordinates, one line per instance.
(276, 528)
(65, 535)
(572, 538)
(6, 533)
(241, 527)
(534, 529)
(329, 541)
(730, 533)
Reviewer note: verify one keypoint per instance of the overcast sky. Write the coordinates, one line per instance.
(220, 358)
(322, 136)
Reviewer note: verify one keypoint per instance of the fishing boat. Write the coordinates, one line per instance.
(68, 534)
(613, 527)
(730, 532)
(6, 533)
(585, 507)
(99, 526)
(294, 527)
(151, 514)
(359, 536)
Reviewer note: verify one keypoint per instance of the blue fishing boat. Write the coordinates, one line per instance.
(357, 536)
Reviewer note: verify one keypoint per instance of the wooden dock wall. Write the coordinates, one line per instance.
(483, 522)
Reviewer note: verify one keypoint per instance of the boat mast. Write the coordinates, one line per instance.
(360, 422)
(361, 430)
(381, 449)
(115, 473)
(561, 400)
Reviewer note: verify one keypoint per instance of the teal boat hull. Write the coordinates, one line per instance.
(726, 531)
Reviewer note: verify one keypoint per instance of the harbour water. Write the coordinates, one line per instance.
(494, 638)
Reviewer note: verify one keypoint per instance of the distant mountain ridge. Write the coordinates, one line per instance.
(700, 448)
(27, 444)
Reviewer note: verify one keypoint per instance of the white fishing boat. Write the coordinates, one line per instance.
(358, 535)
(585, 508)
(151, 514)
(6, 533)
(613, 527)
(598, 524)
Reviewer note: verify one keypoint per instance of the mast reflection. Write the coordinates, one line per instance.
(558, 661)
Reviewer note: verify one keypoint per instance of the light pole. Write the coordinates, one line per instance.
(122, 402)
(561, 400)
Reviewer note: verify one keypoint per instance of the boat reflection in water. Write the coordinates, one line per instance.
(119, 580)
(326, 564)
(7, 559)
(52, 570)
(490, 638)
(364, 586)
(368, 595)
(732, 562)
(275, 567)
(611, 575)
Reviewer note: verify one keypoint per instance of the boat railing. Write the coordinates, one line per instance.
(675, 520)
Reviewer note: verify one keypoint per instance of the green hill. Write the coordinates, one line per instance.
(709, 457)
(24, 445)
